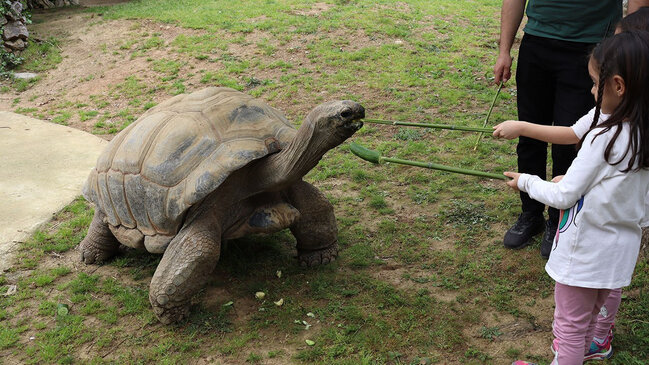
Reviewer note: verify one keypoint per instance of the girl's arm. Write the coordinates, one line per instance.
(511, 129)
(574, 184)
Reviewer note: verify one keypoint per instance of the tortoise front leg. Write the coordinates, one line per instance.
(315, 231)
(184, 269)
(99, 244)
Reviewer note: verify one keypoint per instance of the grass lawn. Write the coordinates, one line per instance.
(422, 276)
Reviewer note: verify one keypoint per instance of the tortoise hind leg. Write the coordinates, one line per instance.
(99, 244)
(316, 232)
(185, 268)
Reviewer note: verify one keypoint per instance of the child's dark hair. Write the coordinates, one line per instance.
(638, 20)
(627, 55)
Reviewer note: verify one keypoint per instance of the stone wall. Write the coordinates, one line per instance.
(14, 27)
(14, 23)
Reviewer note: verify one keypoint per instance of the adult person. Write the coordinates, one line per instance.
(553, 87)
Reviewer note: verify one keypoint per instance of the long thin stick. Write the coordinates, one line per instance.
(428, 125)
(375, 157)
(488, 115)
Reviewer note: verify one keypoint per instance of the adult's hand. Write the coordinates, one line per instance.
(511, 15)
(503, 68)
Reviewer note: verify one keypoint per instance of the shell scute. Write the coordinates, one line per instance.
(104, 198)
(178, 148)
(115, 182)
(227, 157)
(128, 156)
(156, 198)
(137, 200)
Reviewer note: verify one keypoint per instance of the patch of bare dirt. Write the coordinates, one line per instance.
(315, 10)
(397, 276)
(497, 332)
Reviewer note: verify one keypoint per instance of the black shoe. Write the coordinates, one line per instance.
(548, 239)
(527, 226)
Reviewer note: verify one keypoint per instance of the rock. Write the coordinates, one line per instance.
(45, 4)
(11, 290)
(59, 3)
(16, 45)
(10, 16)
(14, 30)
(15, 10)
(17, 7)
(25, 75)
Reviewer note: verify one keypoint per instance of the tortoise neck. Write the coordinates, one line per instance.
(293, 162)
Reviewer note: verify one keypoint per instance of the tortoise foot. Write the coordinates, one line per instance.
(169, 315)
(99, 244)
(318, 257)
(92, 252)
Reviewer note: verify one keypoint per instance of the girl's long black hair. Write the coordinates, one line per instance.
(638, 20)
(627, 55)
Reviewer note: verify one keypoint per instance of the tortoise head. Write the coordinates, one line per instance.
(335, 121)
(324, 128)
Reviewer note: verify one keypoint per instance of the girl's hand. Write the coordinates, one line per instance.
(556, 179)
(513, 183)
(508, 129)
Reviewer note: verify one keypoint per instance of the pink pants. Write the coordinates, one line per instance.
(575, 316)
(605, 320)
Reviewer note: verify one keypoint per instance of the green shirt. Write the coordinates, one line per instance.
(587, 21)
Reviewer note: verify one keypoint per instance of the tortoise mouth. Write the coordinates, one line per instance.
(354, 125)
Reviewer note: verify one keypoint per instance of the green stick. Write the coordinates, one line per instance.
(488, 115)
(427, 125)
(375, 157)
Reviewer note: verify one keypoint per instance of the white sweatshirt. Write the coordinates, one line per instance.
(582, 126)
(598, 239)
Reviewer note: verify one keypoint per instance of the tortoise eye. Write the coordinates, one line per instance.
(346, 113)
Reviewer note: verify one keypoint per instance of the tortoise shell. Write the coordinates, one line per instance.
(179, 152)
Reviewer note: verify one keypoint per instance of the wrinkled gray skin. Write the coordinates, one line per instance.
(266, 195)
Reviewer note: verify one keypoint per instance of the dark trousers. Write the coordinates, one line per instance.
(553, 88)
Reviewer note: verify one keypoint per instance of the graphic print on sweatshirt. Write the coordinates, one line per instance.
(567, 218)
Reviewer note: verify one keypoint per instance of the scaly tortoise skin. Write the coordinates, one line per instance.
(204, 167)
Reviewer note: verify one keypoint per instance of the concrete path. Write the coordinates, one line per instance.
(42, 169)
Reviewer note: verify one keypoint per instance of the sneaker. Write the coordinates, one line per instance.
(600, 352)
(548, 239)
(597, 351)
(527, 226)
(520, 362)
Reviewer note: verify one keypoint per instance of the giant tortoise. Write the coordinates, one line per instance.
(209, 166)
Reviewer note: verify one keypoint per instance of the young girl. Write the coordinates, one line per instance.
(602, 195)
(600, 347)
